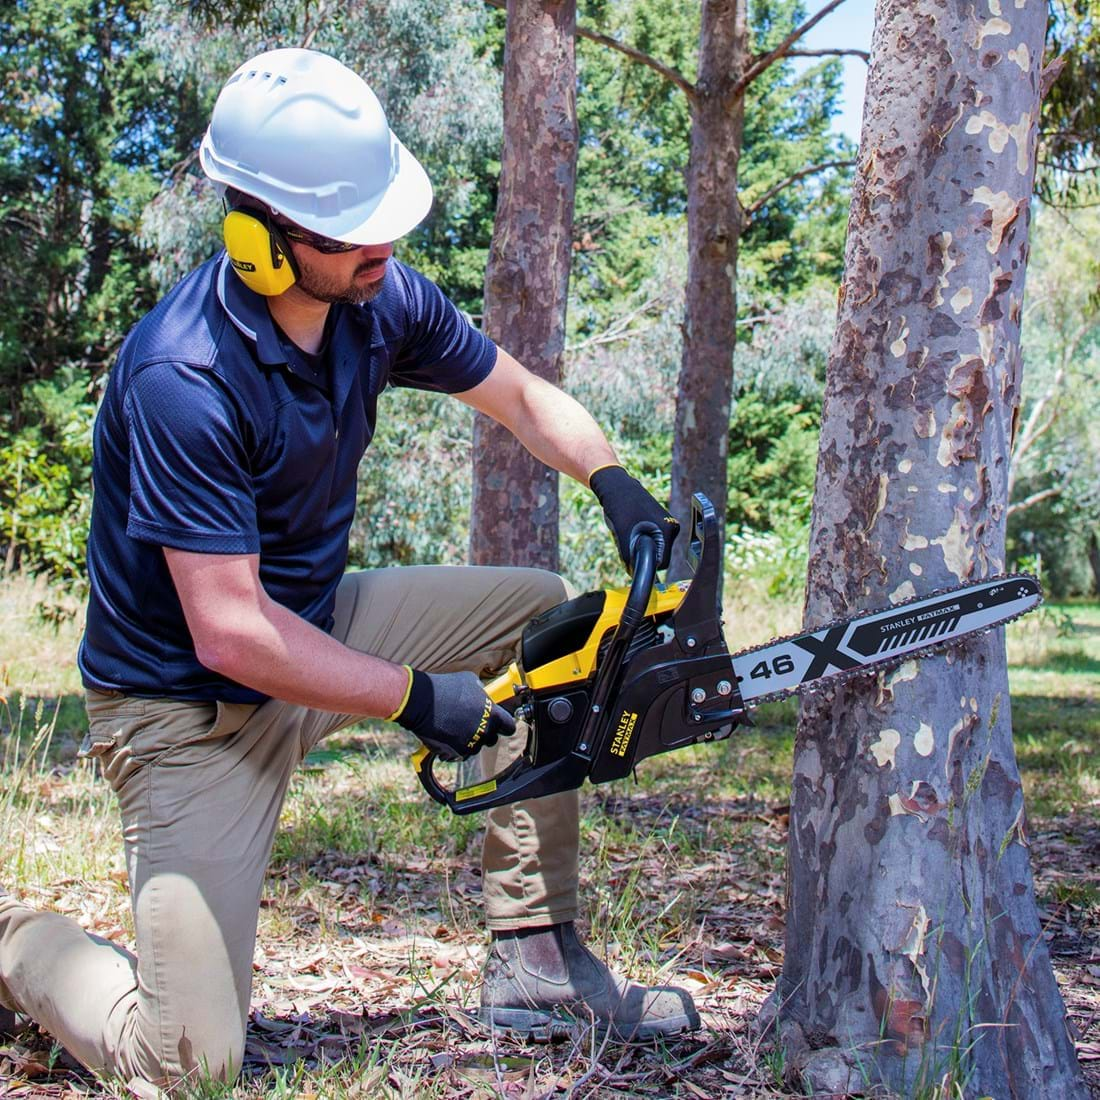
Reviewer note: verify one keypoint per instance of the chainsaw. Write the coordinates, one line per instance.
(612, 677)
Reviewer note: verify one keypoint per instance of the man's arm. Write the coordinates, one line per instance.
(244, 635)
(554, 427)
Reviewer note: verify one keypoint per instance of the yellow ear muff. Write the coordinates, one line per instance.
(259, 253)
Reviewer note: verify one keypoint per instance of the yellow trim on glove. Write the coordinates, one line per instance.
(405, 698)
(605, 466)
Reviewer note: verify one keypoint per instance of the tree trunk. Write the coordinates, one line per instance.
(514, 517)
(1094, 562)
(914, 953)
(714, 231)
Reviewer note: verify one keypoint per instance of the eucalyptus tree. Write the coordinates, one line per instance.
(914, 953)
(515, 497)
(679, 115)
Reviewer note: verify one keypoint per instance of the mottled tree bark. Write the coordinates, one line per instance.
(515, 497)
(914, 954)
(705, 384)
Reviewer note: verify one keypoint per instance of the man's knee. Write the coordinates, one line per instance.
(546, 589)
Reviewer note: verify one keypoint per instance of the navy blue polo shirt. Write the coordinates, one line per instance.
(215, 436)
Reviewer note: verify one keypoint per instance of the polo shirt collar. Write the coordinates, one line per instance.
(349, 347)
(249, 313)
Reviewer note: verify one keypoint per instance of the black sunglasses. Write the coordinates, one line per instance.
(315, 241)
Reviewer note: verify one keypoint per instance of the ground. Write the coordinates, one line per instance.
(367, 969)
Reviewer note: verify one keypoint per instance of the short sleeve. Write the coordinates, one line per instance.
(441, 350)
(190, 485)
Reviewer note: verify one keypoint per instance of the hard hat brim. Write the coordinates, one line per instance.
(403, 206)
(400, 209)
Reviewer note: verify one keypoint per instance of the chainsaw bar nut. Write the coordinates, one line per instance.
(698, 695)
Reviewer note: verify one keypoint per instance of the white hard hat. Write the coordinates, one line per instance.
(302, 133)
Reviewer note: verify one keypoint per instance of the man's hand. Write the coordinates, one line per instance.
(631, 511)
(451, 714)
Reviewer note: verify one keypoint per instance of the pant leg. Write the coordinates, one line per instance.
(200, 788)
(457, 618)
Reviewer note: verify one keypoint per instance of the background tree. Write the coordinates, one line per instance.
(714, 227)
(716, 221)
(515, 497)
(914, 954)
(715, 217)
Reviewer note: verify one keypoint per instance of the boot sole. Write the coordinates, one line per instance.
(548, 1027)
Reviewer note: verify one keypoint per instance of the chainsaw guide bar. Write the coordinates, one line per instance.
(847, 649)
(610, 678)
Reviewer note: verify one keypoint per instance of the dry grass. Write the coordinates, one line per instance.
(39, 631)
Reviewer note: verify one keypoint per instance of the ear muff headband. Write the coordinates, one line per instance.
(259, 252)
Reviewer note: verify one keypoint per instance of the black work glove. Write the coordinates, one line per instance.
(631, 511)
(451, 714)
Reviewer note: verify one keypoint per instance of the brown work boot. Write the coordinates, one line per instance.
(544, 983)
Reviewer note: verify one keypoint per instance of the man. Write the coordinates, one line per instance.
(224, 639)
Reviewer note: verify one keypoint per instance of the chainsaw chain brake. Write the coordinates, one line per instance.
(822, 684)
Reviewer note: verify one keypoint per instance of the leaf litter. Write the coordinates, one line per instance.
(367, 969)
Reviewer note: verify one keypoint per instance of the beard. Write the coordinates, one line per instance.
(328, 288)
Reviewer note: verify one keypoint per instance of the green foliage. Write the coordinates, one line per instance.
(773, 455)
(773, 452)
(431, 65)
(45, 471)
(86, 125)
(797, 237)
(1056, 458)
(1069, 126)
(414, 484)
(635, 133)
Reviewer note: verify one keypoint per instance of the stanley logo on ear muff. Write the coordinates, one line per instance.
(259, 253)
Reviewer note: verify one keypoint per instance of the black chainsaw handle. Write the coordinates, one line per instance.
(522, 779)
(644, 561)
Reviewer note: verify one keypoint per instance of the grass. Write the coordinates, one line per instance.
(371, 940)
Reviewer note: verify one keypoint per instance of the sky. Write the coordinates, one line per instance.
(849, 27)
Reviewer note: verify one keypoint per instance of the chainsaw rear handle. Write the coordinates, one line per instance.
(522, 779)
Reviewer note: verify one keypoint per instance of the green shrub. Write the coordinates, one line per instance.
(45, 482)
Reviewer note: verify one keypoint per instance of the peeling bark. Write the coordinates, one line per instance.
(914, 950)
(514, 514)
(705, 385)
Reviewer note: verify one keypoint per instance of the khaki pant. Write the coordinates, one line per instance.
(200, 787)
